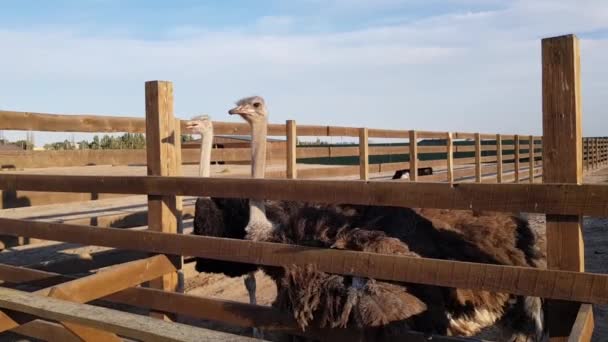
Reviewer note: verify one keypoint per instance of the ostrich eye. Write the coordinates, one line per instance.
(256, 105)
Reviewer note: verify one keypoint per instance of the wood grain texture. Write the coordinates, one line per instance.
(125, 324)
(562, 162)
(450, 158)
(46, 331)
(413, 156)
(218, 310)
(499, 151)
(517, 157)
(477, 157)
(161, 161)
(566, 199)
(363, 154)
(582, 330)
(531, 156)
(292, 140)
(92, 287)
(563, 285)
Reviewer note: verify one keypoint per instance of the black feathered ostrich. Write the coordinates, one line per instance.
(335, 300)
(225, 217)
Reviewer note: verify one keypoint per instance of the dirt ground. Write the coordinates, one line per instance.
(595, 235)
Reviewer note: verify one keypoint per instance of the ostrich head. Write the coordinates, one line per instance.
(252, 109)
(200, 125)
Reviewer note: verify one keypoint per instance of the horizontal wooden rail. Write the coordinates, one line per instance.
(99, 285)
(566, 199)
(218, 310)
(30, 121)
(125, 324)
(582, 330)
(564, 285)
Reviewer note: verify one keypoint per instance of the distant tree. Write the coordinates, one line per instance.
(187, 137)
(83, 145)
(107, 142)
(24, 144)
(94, 145)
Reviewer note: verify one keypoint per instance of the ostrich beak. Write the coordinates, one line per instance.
(242, 110)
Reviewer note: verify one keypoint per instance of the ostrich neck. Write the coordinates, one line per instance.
(259, 228)
(205, 161)
(258, 149)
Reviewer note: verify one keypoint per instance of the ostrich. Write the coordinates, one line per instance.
(211, 212)
(225, 217)
(344, 301)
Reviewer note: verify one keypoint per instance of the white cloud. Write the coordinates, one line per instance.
(467, 70)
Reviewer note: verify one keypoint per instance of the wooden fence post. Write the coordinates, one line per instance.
(562, 163)
(498, 158)
(477, 157)
(531, 158)
(292, 140)
(516, 166)
(363, 154)
(595, 154)
(592, 142)
(179, 201)
(162, 161)
(603, 151)
(450, 157)
(586, 153)
(413, 156)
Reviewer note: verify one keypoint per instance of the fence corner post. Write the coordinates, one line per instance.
(562, 163)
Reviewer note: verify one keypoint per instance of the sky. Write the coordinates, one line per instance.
(442, 65)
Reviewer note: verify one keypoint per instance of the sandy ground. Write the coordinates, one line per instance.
(595, 235)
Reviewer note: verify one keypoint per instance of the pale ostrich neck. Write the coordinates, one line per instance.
(204, 169)
(258, 149)
(259, 227)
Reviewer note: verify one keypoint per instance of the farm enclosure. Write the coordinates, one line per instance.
(562, 197)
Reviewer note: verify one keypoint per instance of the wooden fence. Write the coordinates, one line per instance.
(562, 197)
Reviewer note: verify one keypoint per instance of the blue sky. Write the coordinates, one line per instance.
(458, 65)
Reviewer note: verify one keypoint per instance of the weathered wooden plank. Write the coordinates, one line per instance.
(413, 156)
(363, 154)
(450, 158)
(517, 157)
(587, 287)
(29, 121)
(125, 324)
(225, 311)
(161, 156)
(111, 280)
(477, 158)
(431, 135)
(292, 140)
(499, 166)
(92, 287)
(46, 331)
(582, 330)
(531, 156)
(562, 162)
(567, 199)
(42, 159)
